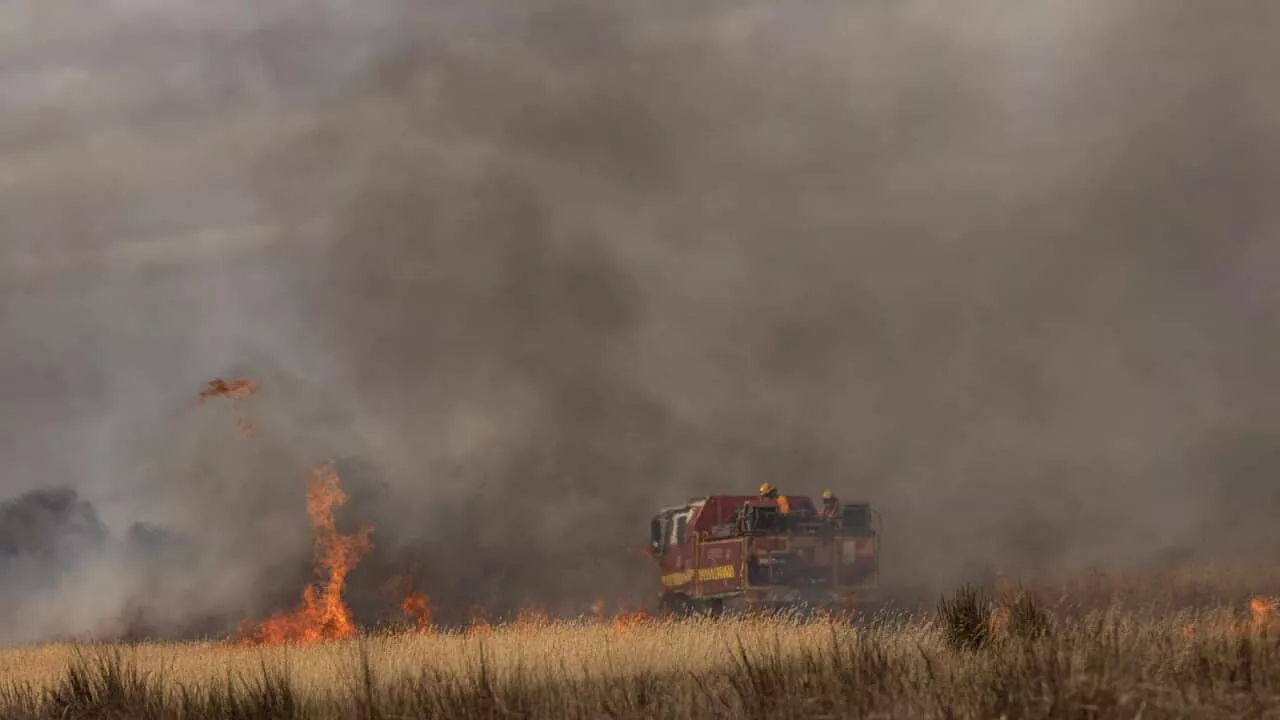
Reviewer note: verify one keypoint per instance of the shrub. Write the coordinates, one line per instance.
(964, 619)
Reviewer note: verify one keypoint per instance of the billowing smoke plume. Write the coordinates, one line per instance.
(535, 270)
(53, 544)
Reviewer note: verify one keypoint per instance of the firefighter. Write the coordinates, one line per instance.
(769, 492)
(830, 505)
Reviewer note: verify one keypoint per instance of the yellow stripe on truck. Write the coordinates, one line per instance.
(680, 578)
(718, 572)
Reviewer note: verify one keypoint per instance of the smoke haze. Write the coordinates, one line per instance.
(535, 270)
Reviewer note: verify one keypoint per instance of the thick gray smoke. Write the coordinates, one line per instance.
(537, 269)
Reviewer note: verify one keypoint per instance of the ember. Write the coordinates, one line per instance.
(230, 389)
(235, 391)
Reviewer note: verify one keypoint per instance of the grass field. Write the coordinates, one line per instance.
(1013, 658)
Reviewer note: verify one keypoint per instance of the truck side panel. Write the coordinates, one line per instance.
(719, 568)
(810, 559)
(858, 566)
(678, 569)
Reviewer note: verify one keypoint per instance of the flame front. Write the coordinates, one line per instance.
(322, 615)
(624, 623)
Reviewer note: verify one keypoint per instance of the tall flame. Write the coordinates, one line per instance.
(322, 614)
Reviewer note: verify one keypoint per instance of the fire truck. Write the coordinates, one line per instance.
(739, 552)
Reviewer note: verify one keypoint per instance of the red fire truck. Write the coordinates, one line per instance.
(737, 552)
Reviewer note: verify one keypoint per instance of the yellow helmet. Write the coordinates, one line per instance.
(826, 495)
(767, 489)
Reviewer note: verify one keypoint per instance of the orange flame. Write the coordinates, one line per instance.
(625, 623)
(413, 604)
(418, 607)
(322, 615)
(1263, 611)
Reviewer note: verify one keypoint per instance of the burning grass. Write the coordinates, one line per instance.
(1106, 664)
(322, 615)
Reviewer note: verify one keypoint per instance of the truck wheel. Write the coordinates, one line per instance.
(677, 605)
(712, 608)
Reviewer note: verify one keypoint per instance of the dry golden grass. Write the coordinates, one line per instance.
(551, 652)
(1028, 662)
